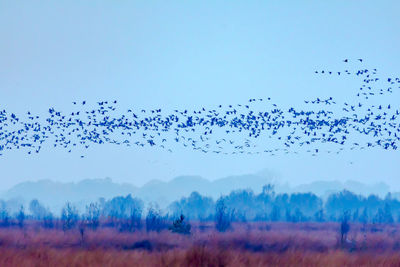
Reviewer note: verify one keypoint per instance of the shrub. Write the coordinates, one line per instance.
(179, 226)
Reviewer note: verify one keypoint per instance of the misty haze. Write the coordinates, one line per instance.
(147, 133)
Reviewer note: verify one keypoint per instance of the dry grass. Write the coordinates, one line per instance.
(255, 244)
(195, 256)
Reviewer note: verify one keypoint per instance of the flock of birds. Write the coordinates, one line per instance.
(230, 129)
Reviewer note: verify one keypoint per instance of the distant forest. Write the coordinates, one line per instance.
(130, 213)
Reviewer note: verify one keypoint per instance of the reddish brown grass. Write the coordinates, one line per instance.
(284, 244)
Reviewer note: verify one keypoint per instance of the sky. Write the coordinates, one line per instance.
(188, 54)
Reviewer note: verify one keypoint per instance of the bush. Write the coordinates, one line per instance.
(179, 226)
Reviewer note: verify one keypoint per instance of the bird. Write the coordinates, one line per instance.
(242, 125)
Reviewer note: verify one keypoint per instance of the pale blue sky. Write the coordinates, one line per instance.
(183, 54)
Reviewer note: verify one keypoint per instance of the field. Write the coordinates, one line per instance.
(247, 244)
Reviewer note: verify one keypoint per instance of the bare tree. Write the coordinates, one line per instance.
(48, 220)
(37, 210)
(4, 214)
(344, 227)
(69, 216)
(21, 217)
(93, 215)
(223, 216)
(154, 220)
(135, 218)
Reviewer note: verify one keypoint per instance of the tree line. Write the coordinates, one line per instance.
(127, 213)
(245, 205)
